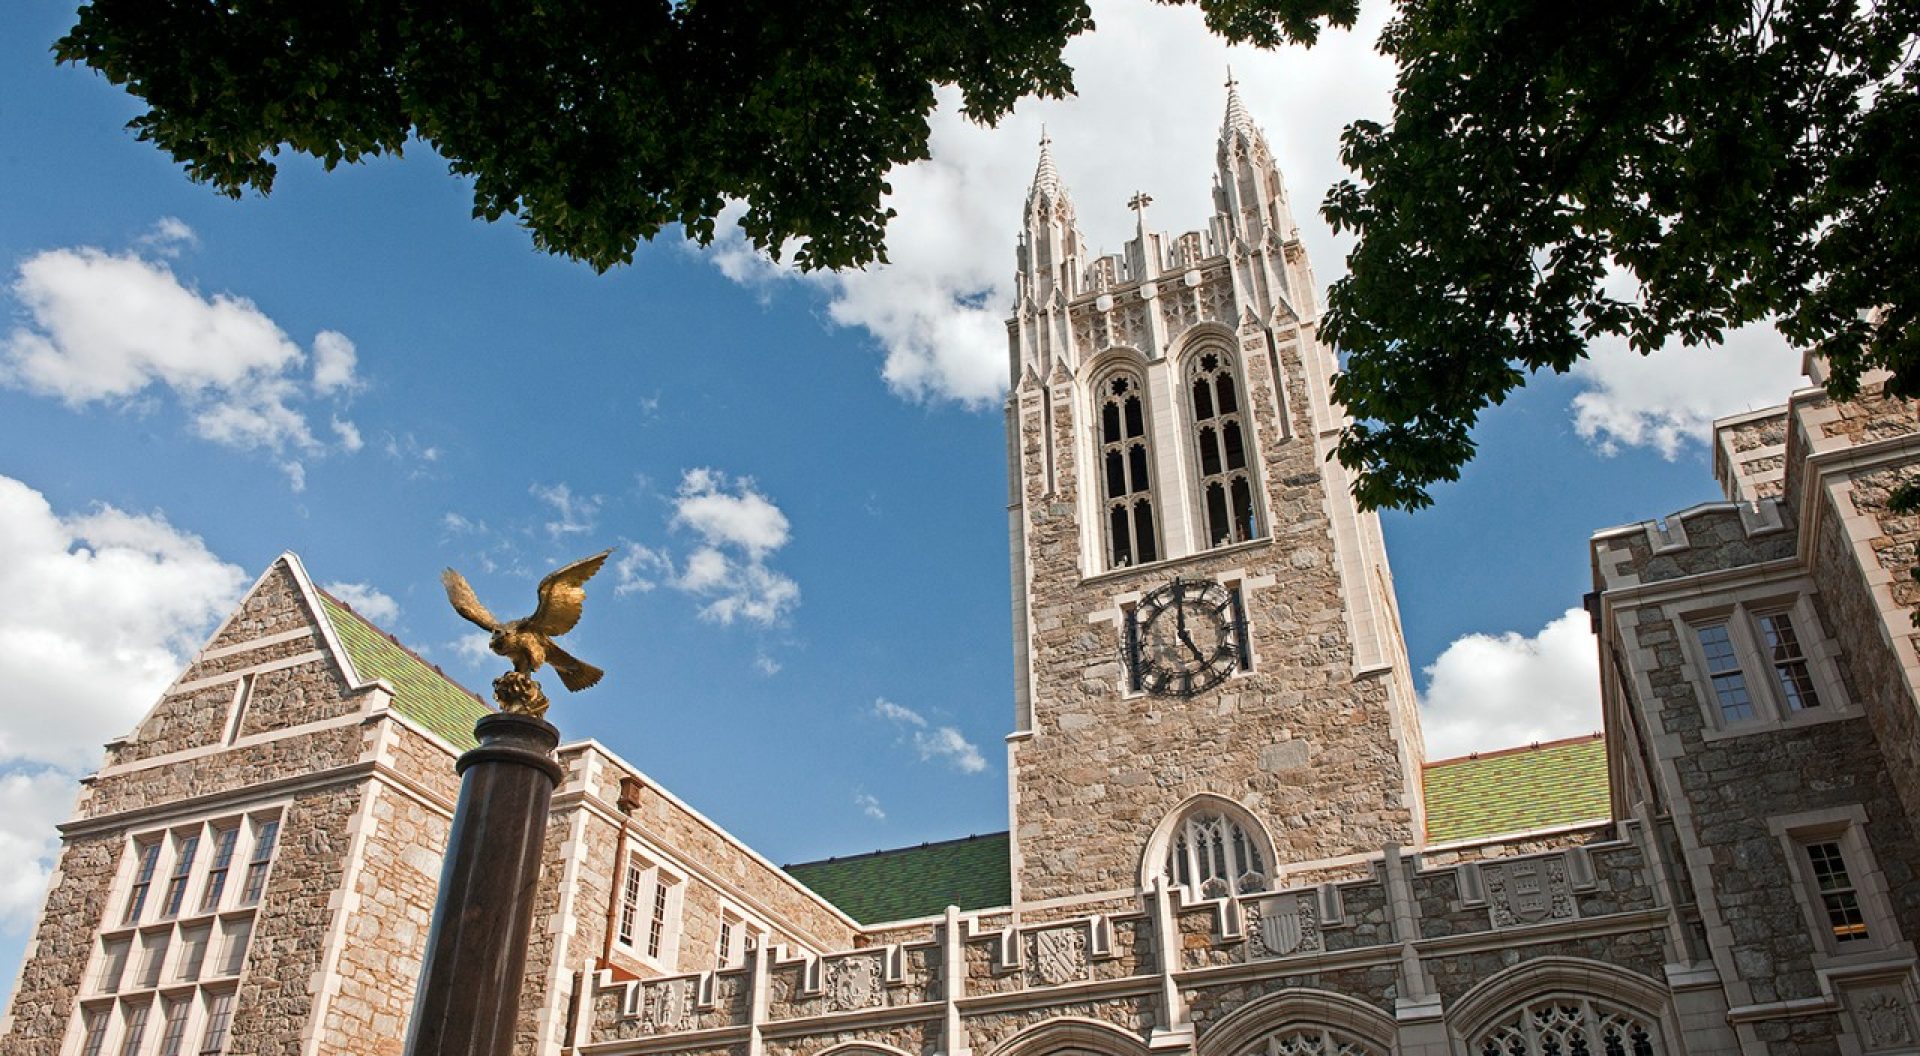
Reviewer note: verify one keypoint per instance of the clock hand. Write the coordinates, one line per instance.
(1187, 639)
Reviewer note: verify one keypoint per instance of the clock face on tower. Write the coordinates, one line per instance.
(1184, 638)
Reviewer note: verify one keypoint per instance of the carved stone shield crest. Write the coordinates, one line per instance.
(1059, 955)
(669, 1006)
(855, 982)
(1528, 891)
(1277, 927)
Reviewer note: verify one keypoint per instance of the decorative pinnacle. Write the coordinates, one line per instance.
(1237, 117)
(1045, 179)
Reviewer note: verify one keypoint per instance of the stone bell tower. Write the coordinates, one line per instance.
(1204, 622)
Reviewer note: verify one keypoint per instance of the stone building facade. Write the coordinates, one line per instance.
(1225, 838)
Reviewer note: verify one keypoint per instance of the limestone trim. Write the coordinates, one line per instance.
(189, 754)
(863, 1048)
(243, 798)
(1520, 836)
(255, 643)
(1477, 1009)
(1072, 1032)
(1297, 1007)
(1250, 546)
(240, 673)
(1578, 927)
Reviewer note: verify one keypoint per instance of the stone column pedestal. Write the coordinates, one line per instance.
(469, 994)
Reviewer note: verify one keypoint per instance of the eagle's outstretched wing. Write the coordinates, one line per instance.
(561, 595)
(464, 601)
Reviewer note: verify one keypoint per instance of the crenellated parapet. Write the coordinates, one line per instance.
(1710, 537)
(1396, 936)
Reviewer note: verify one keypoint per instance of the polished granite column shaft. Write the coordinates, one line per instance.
(469, 994)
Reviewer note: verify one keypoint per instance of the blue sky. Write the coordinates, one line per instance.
(808, 634)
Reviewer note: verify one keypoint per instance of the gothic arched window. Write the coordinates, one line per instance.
(1126, 481)
(1212, 855)
(1568, 1026)
(1222, 450)
(1312, 1041)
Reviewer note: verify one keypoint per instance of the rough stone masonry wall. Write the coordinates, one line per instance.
(42, 1003)
(1732, 786)
(1102, 769)
(797, 913)
(1752, 457)
(198, 716)
(386, 935)
(276, 999)
(1847, 607)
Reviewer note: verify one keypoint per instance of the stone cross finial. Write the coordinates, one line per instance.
(1139, 202)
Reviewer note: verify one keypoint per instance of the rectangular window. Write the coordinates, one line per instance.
(1723, 670)
(657, 924)
(95, 1022)
(149, 860)
(262, 857)
(1838, 896)
(193, 953)
(1789, 662)
(724, 955)
(113, 965)
(630, 899)
(173, 1038)
(219, 1017)
(233, 956)
(136, 1028)
(177, 883)
(153, 954)
(223, 841)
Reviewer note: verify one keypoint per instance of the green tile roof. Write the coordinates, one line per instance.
(972, 873)
(420, 691)
(1539, 787)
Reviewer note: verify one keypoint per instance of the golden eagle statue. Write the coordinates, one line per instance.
(529, 642)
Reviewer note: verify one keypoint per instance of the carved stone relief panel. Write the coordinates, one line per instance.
(1883, 1018)
(667, 1006)
(854, 982)
(1057, 956)
(1528, 891)
(1216, 301)
(1281, 926)
(1177, 308)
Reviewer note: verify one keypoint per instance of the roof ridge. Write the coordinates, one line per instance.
(924, 846)
(398, 644)
(1537, 746)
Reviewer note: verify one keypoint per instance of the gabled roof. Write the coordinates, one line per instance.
(1539, 786)
(421, 691)
(974, 872)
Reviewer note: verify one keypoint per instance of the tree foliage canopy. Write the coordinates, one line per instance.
(1652, 169)
(597, 124)
(1554, 173)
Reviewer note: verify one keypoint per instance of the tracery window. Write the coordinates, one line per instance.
(1221, 450)
(1312, 1041)
(1213, 856)
(1569, 1026)
(1126, 480)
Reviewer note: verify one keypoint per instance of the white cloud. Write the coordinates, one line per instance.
(32, 802)
(573, 514)
(474, 648)
(936, 309)
(933, 743)
(766, 665)
(1670, 398)
(739, 529)
(103, 609)
(1486, 692)
(724, 511)
(869, 806)
(168, 236)
(459, 525)
(100, 327)
(366, 600)
(349, 434)
(334, 359)
(640, 569)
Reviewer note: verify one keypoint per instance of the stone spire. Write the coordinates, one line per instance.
(1046, 179)
(1238, 124)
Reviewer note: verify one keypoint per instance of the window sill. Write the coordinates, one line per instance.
(1810, 717)
(1151, 567)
